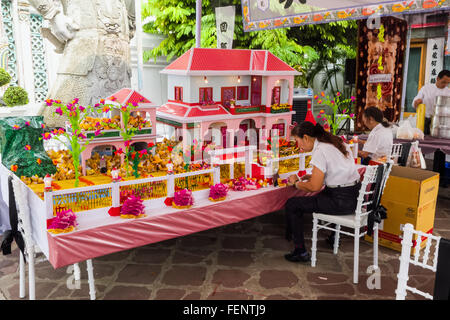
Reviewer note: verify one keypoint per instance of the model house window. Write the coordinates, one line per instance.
(178, 93)
(228, 93)
(280, 127)
(242, 93)
(206, 95)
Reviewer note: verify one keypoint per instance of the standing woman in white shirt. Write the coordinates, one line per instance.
(334, 167)
(428, 93)
(380, 140)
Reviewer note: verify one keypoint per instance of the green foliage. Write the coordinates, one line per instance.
(15, 96)
(334, 42)
(302, 47)
(5, 77)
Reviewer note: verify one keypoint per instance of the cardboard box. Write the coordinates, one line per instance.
(410, 196)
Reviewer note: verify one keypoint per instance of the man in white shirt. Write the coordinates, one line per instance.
(428, 93)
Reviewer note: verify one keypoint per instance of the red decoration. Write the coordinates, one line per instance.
(114, 211)
(309, 115)
(168, 201)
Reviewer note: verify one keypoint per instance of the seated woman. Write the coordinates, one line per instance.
(380, 140)
(334, 166)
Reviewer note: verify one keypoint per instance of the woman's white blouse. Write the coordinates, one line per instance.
(379, 143)
(338, 169)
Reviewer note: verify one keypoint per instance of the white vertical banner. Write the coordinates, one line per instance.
(435, 59)
(225, 17)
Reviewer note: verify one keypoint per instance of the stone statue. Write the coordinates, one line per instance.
(94, 37)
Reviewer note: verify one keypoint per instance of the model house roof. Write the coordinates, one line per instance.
(126, 96)
(187, 111)
(209, 61)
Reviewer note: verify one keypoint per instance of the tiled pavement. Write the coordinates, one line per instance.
(239, 261)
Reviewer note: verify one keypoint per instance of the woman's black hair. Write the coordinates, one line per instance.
(318, 132)
(377, 115)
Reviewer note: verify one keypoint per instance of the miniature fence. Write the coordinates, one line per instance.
(236, 162)
(114, 194)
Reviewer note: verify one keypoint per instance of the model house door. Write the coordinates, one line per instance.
(228, 93)
(276, 92)
(256, 90)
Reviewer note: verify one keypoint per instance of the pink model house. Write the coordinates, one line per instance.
(228, 90)
(111, 139)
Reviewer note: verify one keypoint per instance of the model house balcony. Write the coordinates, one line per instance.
(243, 109)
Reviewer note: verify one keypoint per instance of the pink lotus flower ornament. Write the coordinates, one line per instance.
(133, 206)
(183, 198)
(64, 220)
(218, 191)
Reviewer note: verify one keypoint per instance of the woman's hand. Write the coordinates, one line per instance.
(363, 154)
(306, 177)
(292, 180)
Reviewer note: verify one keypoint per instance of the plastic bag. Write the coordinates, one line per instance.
(418, 134)
(405, 130)
(415, 157)
(21, 147)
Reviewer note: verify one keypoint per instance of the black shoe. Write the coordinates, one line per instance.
(296, 256)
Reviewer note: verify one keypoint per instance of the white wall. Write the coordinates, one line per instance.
(216, 82)
(178, 81)
(155, 83)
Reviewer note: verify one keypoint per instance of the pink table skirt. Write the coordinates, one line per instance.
(66, 249)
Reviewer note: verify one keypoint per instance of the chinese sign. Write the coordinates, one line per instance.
(435, 59)
(269, 14)
(225, 26)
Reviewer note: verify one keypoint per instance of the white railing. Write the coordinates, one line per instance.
(112, 192)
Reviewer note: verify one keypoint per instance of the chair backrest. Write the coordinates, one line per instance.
(396, 152)
(372, 188)
(23, 213)
(421, 259)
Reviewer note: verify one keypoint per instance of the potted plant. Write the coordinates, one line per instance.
(340, 107)
(14, 98)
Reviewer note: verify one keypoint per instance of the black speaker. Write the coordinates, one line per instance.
(350, 71)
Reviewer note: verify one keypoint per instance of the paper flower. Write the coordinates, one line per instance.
(39, 161)
(28, 147)
(239, 184)
(14, 168)
(168, 201)
(133, 207)
(218, 191)
(27, 123)
(183, 198)
(65, 221)
(16, 127)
